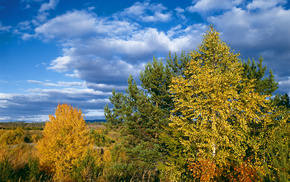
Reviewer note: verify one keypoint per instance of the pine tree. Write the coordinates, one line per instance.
(282, 101)
(141, 113)
(256, 71)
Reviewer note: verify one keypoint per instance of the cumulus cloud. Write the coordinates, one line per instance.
(82, 24)
(103, 50)
(202, 6)
(113, 59)
(255, 33)
(48, 6)
(146, 12)
(264, 4)
(179, 10)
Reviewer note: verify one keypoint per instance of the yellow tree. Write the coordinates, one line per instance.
(214, 105)
(66, 142)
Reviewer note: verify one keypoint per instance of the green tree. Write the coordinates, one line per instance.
(277, 159)
(141, 113)
(281, 101)
(256, 71)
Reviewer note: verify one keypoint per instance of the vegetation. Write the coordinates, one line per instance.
(204, 116)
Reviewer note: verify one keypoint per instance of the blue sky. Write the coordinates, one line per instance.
(75, 52)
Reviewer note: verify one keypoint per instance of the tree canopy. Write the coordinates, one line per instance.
(65, 142)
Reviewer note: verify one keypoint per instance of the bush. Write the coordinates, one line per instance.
(12, 137)
(6, 170)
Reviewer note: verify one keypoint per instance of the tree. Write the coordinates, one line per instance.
(65, 142)
(282, 101)
(214, 107)
(256, 71)
(141, 113)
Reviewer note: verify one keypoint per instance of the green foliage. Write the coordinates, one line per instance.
(282, 101)
(100, 137)
(141, 114)
(216, 108)
(19, 163)
(88, 169)
(256, 71)
(6, 171)
(277, 161)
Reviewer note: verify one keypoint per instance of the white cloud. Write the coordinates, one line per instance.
(105, 87)
(24, 25)
(103, 60)
(58, 84)
(42, 102)
(4, 28)
(101, 50)
(179, 10)
(79, 24)
(213, 5)
(4, 96)
(264, 4)
(82, 24)
(143, 11)
(157, 17)
(94, 112)
(285, 84)
(43, 12)
(264, 32)
(26, 36)
(70, 92)
(48, 6)
(61, 64)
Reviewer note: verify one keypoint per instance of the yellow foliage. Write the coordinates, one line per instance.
(18, 155)
(12, 137)
(214, 104)
(203, 169)
(35, 138)
(65, 142)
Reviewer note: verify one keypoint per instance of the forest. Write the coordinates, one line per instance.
(202, 116)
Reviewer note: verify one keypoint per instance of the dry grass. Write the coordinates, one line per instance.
(35, 132)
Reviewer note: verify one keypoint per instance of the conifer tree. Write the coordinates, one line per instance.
(141, 113)
(256, 71)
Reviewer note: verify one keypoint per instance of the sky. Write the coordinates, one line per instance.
(76, 51)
